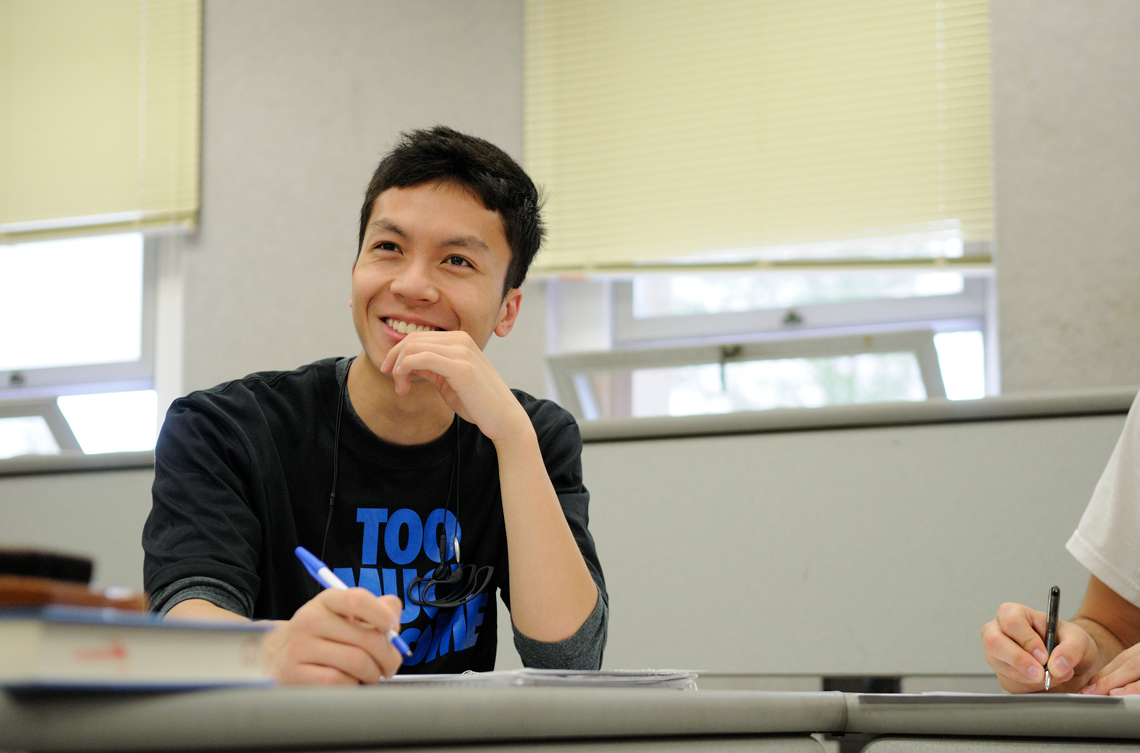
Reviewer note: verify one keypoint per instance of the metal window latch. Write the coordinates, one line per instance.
(792, 318)
(727, 352)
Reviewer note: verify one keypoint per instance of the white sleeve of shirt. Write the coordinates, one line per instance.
(1107, 540)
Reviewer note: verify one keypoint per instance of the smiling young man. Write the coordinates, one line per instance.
(409, 465)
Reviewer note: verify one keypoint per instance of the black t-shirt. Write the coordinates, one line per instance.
(243, 474)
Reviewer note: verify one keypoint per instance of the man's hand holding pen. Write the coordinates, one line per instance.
(1016, 651)
(1097, 653)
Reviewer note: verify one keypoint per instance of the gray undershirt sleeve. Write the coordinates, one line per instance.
(217, 592)
(583, 650)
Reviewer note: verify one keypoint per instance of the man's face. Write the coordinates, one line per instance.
(433, 257)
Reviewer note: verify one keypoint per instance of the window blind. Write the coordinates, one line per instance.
(729, 130)
(99, 116)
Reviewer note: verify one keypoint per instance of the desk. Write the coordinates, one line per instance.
(534, 719)
(550, 720)
(994, 724)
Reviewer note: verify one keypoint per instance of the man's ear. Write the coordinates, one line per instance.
(509, 312)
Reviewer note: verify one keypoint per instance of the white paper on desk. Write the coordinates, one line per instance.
(674, 679)
(985, 696)
(1029, 699)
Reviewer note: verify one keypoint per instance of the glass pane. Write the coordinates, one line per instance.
(718, 293)
(759, 385)
(71, 302)
(962, 360)
(112, 421)
(26, 435)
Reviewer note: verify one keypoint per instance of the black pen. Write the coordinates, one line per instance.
(1051, 628)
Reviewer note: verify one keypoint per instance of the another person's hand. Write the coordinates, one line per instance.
(1121, 676)
(1015, 650)
(337, 638)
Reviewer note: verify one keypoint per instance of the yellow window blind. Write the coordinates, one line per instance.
(745, 129)
(99, 115)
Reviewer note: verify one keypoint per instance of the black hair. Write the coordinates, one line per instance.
(441, 155)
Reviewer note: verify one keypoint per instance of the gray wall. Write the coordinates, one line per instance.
(95, 514)
(1066, 109)
(300, 99)
(877, 550)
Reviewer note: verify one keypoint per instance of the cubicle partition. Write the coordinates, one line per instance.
(859, 540)
(91, 505)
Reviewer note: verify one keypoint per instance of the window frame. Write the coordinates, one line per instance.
(47, 409)
(875, 325)
(119, 376)
(158, 368)
(862, 315)
(576, 394)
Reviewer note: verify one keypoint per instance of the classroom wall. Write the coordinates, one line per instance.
(300, 100)
(869, 550)
(1066, 109)
(95, 514)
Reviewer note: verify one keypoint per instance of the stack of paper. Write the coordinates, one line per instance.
(676, 679)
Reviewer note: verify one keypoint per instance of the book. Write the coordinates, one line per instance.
(675, 679)
(29, 591)
(56, 647)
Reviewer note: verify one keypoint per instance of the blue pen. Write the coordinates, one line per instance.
(320, 571)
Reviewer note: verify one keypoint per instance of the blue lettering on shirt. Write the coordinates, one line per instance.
(450, 629)
(371, 517)
(400, 520)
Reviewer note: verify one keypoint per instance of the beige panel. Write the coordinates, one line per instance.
(95, 514)
(666, 129)
(844, 551)
(99, 114)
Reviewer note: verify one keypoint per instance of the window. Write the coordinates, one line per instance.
(77, 302)
(763, 204)
(730, 131)
(77, 323)
(89, 305)
(685, 343)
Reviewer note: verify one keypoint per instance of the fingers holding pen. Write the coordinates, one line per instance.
(336, 638)
(364, 621)
(1074, 653)
(1015, 649)
(1012, 678)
